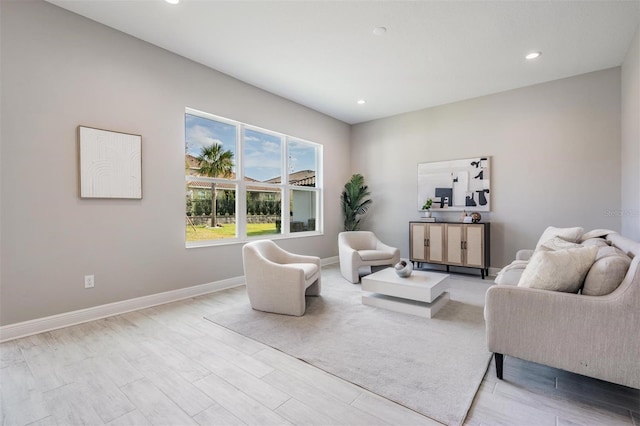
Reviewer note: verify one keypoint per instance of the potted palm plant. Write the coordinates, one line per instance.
(354, 202)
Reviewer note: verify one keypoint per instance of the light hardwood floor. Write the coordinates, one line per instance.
(167, 365)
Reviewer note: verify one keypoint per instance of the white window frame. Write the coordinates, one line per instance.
(241, 185)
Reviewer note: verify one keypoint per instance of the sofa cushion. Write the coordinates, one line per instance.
(605, 251)
(596, 233)
(568, 234)
(524, 254)
(374, 255)
(606, 273)
(557, 243)
(510, 274)
(561, 270)
(597, 242)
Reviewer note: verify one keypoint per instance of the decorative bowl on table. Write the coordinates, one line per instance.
(403, 269)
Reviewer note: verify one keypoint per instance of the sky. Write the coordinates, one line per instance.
(262, 158)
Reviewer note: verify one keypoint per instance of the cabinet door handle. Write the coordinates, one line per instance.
(461, 245)
(426, 242)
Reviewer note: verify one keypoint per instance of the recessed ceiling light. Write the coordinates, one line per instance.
(172, 1)
(379, 31)
(533, 55)
(361, 102)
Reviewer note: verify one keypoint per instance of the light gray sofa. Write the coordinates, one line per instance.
(596, 336)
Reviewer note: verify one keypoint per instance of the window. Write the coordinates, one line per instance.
(236, 184)
(302, 158)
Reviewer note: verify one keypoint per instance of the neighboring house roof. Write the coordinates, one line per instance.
(191, 164)
(300, 178)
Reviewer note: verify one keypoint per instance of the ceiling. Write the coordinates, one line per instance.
(325, 55)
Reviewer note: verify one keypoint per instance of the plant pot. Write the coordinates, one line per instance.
(427, 213)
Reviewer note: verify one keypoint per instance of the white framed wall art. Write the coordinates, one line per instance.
(456, 185)
(110, 164)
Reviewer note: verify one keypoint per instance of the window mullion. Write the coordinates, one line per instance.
(241, 199)
(285, 210)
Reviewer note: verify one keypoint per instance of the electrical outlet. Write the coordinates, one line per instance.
(89, 281)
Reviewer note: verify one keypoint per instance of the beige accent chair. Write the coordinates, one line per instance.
(278, 281)
(363, 248)
(596, 336)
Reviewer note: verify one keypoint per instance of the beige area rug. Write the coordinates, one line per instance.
(433, 366)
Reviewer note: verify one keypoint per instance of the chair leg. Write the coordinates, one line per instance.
(499, 361)
(313, 289)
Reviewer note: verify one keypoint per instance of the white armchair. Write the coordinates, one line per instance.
(363, 248)
(277, 281)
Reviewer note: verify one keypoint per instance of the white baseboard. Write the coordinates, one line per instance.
(494, 271)
(67, 319)
(41, 325)
(329, 261)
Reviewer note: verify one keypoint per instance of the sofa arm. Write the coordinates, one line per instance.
(589, 335)
(349, 262)
(393, 251)
(524, 254)
(301, 258)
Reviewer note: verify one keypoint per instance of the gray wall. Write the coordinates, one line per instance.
(555, 151)
(630, 210)
(60, 70)
(555, 148)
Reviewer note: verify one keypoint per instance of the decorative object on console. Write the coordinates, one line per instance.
(110, 164)
(427, 207)
(456, 184)
(475, 217)
(403, 269)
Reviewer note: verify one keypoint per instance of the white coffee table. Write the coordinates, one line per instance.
(422, 294)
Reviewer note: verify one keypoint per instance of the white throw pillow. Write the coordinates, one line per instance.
(606, 274)
(557, 243)
(510, 274)
(598, 242)
(568, 234)
(596, 233)
(562, 270)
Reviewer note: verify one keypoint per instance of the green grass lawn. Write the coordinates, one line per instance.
(204, 233)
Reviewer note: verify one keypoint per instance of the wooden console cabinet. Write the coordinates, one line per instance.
(450, 244)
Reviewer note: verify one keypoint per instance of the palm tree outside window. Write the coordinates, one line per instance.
(215, 162)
